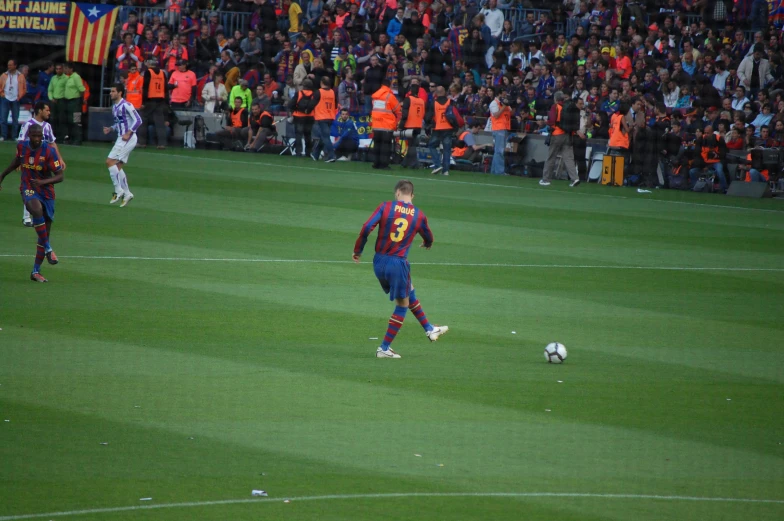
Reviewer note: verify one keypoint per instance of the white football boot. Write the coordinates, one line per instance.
(380, 353)
(436, 332)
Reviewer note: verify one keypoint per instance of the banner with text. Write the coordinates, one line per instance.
(34, 16)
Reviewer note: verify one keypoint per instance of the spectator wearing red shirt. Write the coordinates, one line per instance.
(623, 64)
(182, 86)
(128, 53)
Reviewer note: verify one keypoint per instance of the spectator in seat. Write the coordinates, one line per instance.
(128, 53)
(241, 91)
(182, 86)
(214, 94)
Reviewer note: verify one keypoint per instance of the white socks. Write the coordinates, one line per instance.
(26, 214)
(114, 173)
(123, 179)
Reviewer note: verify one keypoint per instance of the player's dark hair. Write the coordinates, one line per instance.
(39, 106)
(35, 129)
(119, 87)
(405, 186)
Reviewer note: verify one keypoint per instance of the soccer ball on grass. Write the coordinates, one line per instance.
(555, 352)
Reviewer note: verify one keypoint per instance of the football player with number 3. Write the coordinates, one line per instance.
(400, 221)
(41, 168)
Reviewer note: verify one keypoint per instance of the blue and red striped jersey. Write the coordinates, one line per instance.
(399, 223)
(40, 163)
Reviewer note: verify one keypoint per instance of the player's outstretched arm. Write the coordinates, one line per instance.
(13, 166)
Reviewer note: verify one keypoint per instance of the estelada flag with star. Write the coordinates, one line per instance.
(90, 32)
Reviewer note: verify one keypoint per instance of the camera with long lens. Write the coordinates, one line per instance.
(407, 133)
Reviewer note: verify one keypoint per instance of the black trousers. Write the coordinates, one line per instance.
(347, 146)
(382, 148)
(578, 146)
(410, 161)
(303, 128)
(154, 111)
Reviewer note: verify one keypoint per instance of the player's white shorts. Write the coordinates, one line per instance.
(122, 149)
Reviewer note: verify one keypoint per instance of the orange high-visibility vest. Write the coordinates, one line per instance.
(416, 112)
(236, 118)
(326, 109)
(156, 89)
(617, 138)
(298, 113)
(764, 173)
(133, 90)
(503, 121)
(707, 150)
(386, 109)
(557, 131)
(440, 115)
(459, 152)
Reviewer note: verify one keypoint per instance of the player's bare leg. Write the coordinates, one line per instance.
(39, 224)
(395, 323)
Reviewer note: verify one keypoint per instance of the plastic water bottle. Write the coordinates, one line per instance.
(525, 171)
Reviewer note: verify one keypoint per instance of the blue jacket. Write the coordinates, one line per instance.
(393, 28)
(344, 130)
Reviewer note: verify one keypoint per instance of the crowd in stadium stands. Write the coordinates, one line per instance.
(691, 87)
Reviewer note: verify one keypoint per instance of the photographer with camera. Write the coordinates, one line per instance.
(561, 120)
(710, 151)
(500, 124)
(411, 122)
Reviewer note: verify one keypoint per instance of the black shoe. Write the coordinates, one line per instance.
(574, 183)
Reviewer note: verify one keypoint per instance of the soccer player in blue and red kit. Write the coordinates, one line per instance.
(41, 169)
(399, 222)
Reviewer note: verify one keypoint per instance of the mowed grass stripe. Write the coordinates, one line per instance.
(326, 431)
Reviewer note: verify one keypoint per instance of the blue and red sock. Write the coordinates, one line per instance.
(395, 323)
(39, 223)
(416, 308)
(40, 253)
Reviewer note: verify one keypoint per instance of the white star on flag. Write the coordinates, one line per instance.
(93, 12)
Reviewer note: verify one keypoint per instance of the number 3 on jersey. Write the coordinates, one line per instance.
(402, 226)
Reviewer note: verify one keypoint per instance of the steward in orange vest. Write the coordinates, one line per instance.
(154, 108)
(302, 108)
(465, 147)
(262, 125)
(133, 89)
(412, 118)
(230, 136)
(384, 119)
(325, 112)
(443, 117)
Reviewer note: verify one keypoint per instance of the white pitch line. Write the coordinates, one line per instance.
(394, 496)
(449, 264)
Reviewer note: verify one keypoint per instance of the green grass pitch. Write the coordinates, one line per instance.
(174, 356)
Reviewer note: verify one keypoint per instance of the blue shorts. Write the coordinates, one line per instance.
(394, 275)
(47, 204)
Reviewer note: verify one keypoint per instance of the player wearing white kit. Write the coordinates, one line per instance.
(126, 121)
(41, 113)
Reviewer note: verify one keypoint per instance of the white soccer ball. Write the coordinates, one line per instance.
(555, 352)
